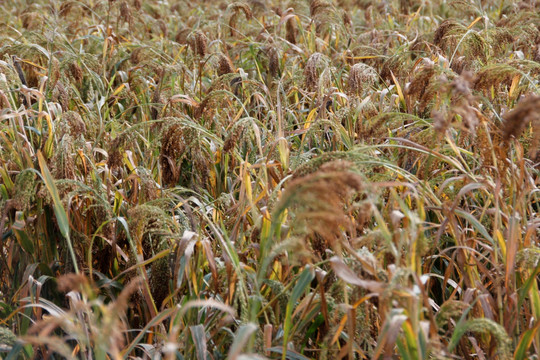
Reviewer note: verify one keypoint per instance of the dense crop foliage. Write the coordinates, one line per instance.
(299, 179)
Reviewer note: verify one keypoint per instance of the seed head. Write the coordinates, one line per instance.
(76, 125)
(440, 121)
(321, 201)
(31, 20)
(182, 36)
(225, 65)
(7, 338)
(63, 161)
(347, 20)
(173, 148)
(273, 61)
(291, 30)
(442, 31)
(55, 72)
(537, 53)
(114, 159)
(198, 41)
(311, 73)
(125, 13)
(136, 56)
(459, 65)
(233, 138)
(163, 28)
(526, 112)
(317, 7)
(236, 8)
(65, 8)
(76, 72)
(61, 96)
(360, 77)
(4, 102)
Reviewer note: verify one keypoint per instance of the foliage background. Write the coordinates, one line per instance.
(284, 179)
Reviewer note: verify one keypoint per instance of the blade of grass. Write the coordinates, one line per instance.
(59, 211)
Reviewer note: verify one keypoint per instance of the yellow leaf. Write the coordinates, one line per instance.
(247, 184)
(502, 244)
(34, 64)
(309, 119)
(515, 83)
(399, 91)
(120, 88)
(474, 22)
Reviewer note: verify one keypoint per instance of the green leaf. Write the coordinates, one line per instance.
(59, 210)
(479, 227)
(522, 292)
(199, 338)
(303, 283)
(460, 329)
(525, 342)
(241, 338)
(291, 355)
(18, 229)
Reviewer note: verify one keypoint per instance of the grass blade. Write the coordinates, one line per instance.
(59, 211)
